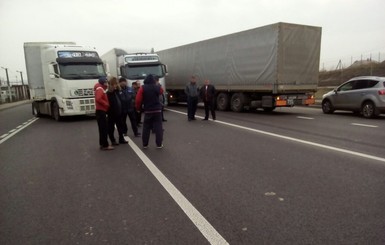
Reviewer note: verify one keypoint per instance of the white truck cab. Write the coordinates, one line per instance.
(61, 77)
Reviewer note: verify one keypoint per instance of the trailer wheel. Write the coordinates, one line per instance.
(223, 102)
(35, 109)
(238, 102)
(269, 109)
(55, 111)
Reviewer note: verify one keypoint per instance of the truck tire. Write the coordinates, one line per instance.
(55, 111)
(223, 101)
(35, 109)
(269, 109)
(369, 110)
(238, 102)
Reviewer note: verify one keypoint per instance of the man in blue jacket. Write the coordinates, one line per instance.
(127, 97)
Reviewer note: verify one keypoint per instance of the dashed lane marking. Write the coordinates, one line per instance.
(12, 132)
(363, 155)
(364, 125)
(306, 118)
(207, 230)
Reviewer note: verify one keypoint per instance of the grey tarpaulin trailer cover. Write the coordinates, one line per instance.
(255, 65)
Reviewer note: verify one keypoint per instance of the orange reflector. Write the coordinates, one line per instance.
(281, 103)
(309, 101)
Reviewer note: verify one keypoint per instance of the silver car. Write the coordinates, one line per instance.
(364, 95)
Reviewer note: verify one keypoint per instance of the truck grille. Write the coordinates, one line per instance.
(87, 105)
(85, 92)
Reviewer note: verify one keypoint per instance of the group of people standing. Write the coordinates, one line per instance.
(115, 101)
(206, 93)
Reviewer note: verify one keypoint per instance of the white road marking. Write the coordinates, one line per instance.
(363, 155)
(3, 136)
(306, 118)
(364, 125)
(15, 131)
(192, 213)
(19, 126)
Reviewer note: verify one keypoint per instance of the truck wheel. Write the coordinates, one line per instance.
(55, 111)
(369, 110)
(223, 102)
(327, 107)
(35, 109)
(238, 102)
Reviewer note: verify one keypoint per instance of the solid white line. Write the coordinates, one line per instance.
(364, 125)
(363, 155)
(14, 131)
(192, 213)
(306, 118)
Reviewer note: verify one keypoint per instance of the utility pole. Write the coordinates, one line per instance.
(22, 82)
(9, 87)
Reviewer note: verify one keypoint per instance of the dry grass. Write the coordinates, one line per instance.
(335, 78)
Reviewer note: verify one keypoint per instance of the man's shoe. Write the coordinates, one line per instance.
(164, 120)
(107, 148)
(145, 146)
(114, 143)
(205, 119)
(123, 142)
(160, 146)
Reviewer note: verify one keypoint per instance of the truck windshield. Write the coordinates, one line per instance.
(75, 71)
(140, 72)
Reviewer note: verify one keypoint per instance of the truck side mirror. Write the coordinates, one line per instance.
(165, 70)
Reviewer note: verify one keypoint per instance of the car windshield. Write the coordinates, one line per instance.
(75, 71)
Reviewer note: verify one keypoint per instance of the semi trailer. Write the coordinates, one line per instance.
(267, 67)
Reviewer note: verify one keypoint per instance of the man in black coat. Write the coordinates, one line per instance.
(207, 94)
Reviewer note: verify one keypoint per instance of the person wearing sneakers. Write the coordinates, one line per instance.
(102, 106)
(148, 96)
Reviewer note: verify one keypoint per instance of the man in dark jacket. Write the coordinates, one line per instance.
(127, 97)
(207, 94)
(148, 95)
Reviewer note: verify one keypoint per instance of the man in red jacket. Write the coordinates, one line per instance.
(102, 105)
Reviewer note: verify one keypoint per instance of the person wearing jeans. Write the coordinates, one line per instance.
(192, 93)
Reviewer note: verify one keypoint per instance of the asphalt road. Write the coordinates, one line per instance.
(294, 176)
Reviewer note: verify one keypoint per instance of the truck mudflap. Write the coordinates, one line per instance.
(292, 100)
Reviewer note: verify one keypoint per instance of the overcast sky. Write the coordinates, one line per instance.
(350, 28)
